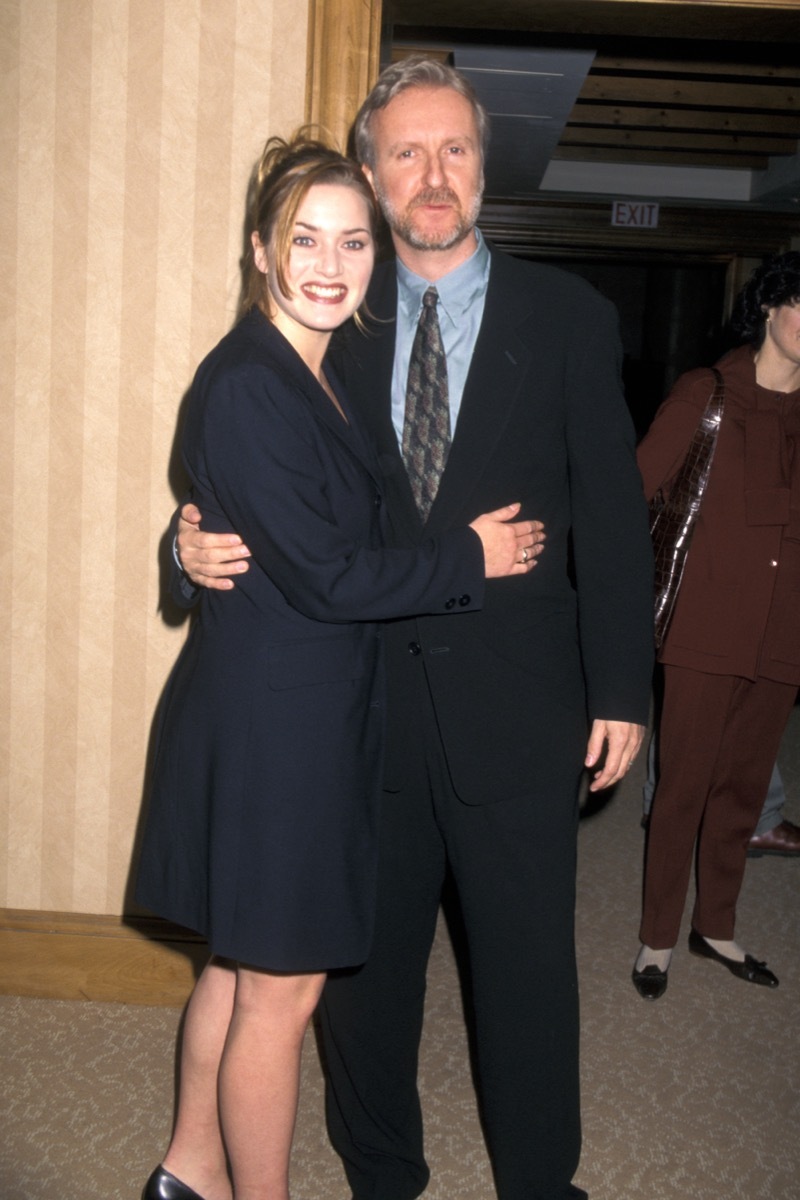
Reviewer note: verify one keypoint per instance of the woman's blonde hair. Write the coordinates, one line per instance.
(281, 180)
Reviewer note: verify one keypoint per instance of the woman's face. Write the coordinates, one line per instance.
(330, 262)
(782, 336)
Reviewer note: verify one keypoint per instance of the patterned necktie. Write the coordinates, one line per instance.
(426, 428)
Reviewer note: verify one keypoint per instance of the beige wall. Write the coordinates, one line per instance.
(128, 130)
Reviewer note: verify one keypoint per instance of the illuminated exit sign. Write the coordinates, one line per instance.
(634, 214)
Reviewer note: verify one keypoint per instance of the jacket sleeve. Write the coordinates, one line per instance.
(182, 591)
(664, 447)
(610, 530)
(252, 449)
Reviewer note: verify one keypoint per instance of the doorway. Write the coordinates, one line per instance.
(672, 318)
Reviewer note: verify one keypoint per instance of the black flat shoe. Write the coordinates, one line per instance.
(164, 1186)
(750, 970)
(650, 983)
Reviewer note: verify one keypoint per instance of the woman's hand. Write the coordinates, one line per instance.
(509, 547)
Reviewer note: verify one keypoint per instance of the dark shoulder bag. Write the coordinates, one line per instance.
(673, 514)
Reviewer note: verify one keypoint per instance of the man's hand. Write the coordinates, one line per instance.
(209, 559)
(622, 740)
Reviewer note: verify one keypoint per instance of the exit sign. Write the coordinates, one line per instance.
(634, 214)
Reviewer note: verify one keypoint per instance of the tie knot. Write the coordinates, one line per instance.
(431, 298)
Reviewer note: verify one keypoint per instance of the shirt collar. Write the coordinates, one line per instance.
(458, 290)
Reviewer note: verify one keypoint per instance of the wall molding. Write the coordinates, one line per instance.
(557, 227)
(343, 61)
(82, 956)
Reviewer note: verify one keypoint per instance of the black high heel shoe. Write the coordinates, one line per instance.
(750, 970)
(162, 1185)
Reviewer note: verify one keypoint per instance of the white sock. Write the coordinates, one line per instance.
(728, 949)
(653, 958)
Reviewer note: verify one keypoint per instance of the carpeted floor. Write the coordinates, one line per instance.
(696, 1097)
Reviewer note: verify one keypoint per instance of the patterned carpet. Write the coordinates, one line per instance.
(696, 1097)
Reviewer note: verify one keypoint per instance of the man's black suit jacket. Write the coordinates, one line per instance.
(542, 421)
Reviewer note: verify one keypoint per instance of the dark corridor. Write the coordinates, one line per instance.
(672, 318)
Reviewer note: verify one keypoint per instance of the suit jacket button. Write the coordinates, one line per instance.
(464, 600)
(450, 603)
(378, 500)
(414, 648)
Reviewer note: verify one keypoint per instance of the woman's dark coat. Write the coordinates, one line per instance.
(262, 820)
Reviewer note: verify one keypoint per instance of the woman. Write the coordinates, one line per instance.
(732, 652)
(265, 840)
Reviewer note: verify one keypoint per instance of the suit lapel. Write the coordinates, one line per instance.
(499, 365)
(320, 404)
(367, 363)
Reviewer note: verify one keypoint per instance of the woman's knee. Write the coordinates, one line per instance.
(279, 996)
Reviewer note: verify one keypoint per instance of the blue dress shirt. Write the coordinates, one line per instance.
(462, 296)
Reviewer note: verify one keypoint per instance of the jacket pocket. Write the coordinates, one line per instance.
(313, 661)
(705, 615)
(783, 638)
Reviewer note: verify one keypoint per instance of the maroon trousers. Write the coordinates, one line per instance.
(718, 740)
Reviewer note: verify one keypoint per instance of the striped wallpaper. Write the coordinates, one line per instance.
(128, 131)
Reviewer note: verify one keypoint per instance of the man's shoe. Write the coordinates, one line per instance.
(783, 840)
(650, 983)
(750, 970)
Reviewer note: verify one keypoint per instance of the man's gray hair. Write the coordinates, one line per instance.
(415, 71)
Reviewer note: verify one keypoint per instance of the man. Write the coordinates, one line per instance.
(486, 713)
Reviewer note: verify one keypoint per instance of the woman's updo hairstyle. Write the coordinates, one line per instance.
(775, 282)
(281, 180)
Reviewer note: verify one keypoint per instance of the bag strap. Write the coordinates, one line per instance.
(690, 482)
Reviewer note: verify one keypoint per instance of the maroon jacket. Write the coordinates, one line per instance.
(738, 609)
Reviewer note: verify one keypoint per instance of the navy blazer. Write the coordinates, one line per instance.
(543, 420)
(261, 832)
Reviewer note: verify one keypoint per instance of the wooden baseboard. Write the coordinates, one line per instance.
(79, 956)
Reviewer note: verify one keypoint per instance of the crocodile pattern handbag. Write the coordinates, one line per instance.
(673, 512)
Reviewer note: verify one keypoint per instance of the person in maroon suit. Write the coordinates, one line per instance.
(732, 651)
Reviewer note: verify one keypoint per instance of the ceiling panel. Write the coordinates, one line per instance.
(660, 99)
(529, 95)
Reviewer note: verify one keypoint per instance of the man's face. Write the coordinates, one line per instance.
(428, 173)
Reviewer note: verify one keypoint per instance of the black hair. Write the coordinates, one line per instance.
(775, 282)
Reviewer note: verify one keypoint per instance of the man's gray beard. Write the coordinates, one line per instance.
(402, 224)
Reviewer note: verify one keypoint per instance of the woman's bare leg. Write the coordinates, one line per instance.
(260, 1076)
(196, 1153)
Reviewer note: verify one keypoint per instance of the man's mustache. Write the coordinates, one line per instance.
(435, 196)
